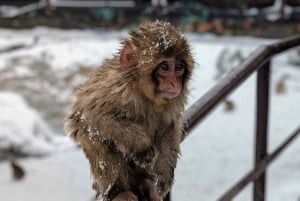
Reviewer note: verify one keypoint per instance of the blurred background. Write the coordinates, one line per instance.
(47, 47)
(253, 17)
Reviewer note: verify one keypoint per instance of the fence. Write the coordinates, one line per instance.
(258, 61)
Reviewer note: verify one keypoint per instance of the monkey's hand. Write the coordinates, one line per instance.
(161, 188)
(144, 158)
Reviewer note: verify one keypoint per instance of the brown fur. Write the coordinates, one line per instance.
(119, 121)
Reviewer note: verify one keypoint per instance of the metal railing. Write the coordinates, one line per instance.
(258, 61)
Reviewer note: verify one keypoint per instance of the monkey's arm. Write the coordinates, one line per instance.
(166, 163)
(164, 171)
(128, 137)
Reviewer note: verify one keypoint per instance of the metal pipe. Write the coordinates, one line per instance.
(262, 115)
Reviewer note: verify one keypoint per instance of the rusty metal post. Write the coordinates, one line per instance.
(262, 110)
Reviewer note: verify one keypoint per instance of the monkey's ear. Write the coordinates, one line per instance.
(125, 57)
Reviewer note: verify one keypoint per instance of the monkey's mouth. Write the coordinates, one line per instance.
(168, 95)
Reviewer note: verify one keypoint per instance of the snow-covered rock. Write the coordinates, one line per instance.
(23, 132)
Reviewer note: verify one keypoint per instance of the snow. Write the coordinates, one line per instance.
(216, 154)
(102, 165)
(273, 12)
(23, 130)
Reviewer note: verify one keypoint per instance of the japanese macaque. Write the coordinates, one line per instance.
(127, 116)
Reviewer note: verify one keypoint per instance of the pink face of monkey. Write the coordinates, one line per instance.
(169, 75)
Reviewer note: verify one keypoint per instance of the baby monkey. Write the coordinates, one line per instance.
(127, 116)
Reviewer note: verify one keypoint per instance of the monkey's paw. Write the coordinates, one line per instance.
(161, 188)
(144, 158)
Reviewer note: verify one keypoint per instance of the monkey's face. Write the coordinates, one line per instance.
(168, 77)
(160, 58)
(164, 80)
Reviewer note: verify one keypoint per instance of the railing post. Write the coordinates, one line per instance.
(261, 147)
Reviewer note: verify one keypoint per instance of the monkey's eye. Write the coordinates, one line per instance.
(163, 67)
(180, 66)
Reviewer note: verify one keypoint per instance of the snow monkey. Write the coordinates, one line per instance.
(127, 115)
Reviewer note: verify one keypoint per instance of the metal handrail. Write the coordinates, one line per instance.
(202, 107)
(258, 61)
(259, 169)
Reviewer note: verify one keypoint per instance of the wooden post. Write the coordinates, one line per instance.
(262, 110)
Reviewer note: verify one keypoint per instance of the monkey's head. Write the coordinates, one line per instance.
(160, 57)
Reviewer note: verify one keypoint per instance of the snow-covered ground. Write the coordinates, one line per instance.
(214, 156)
(24, 131)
